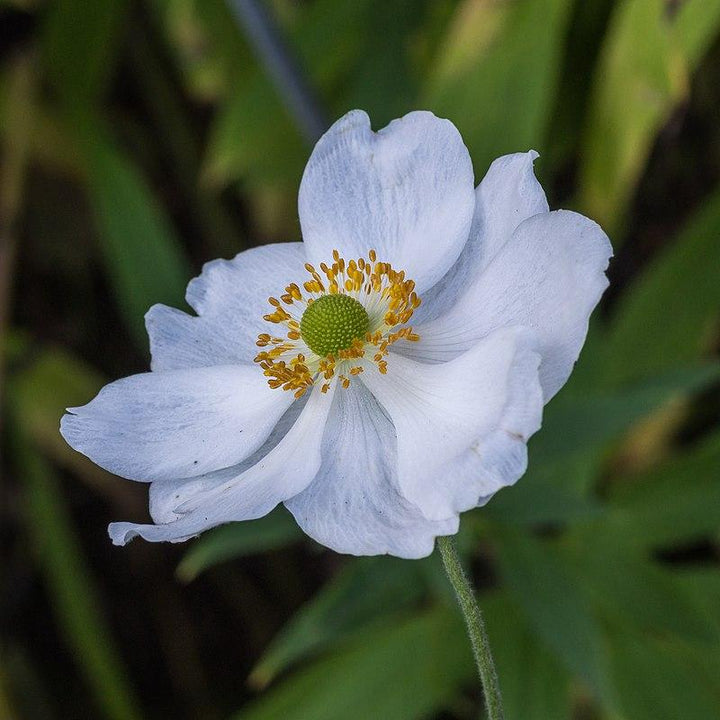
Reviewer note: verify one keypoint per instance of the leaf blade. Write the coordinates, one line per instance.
(237, 539)
(143, 257)
(402, 671)
(494, 61)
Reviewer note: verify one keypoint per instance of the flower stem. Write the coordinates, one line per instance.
(475, 626)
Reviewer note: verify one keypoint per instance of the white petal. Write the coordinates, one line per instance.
(406, 191)
(508, 194)
(548, 277)
(354, 505)
(444, 412)
(179, 341)
(284, 471)
(230, 297)
(168, 496)
(499, 458)
(180, 423)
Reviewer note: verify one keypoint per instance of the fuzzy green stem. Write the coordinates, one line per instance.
(475, 626)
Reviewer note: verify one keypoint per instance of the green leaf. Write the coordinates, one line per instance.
(533, 683)
(41, 391)
(6, 710)
(655, 682)
(75, 600)
(703, 586)
(574, 424)
(45, 382)
(143, 257)
(642, 74)
(237, 539)
(544, 586)
(385, 95)
(496, 74)
(402, 671)
(635, 592)
(331, 37)
(244, 144)
(698, 24)
(363, 592)
(25, 121)
(536, 500)
(585, 35)
(681, 284)
(225, 61)
(565, 454)
(254, 137)
(678, 502)
(80, 42)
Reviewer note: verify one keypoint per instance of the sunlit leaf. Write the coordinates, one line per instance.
(698, 24)
(26, 120)
(497, 72)
(641, 76)
(585, 32)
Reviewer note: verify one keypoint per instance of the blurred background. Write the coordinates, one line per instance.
(141, 138)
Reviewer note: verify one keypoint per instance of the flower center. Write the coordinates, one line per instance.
(347, 318)
(332, 323)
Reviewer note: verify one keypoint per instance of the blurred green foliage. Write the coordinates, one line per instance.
(140, 139)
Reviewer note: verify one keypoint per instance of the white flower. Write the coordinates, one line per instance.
(418, 331)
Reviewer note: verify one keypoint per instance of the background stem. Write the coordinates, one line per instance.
(283, 67)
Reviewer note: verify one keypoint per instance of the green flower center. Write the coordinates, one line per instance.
(332, 322)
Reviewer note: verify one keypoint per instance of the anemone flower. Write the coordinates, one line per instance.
(378, 378)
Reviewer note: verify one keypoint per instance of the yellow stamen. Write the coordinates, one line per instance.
(388, 298)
